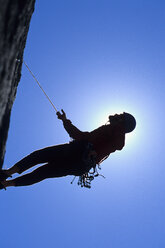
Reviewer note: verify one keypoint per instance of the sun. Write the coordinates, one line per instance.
(101, 118)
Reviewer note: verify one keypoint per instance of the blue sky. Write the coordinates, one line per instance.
(93, 58)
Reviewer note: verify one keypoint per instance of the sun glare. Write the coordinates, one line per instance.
(133, 138)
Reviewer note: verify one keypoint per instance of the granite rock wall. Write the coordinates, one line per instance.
(15, 16)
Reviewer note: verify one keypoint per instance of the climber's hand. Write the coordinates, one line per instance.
(61, 116)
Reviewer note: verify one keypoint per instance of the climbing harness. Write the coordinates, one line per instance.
(90, 166)
(86, 179)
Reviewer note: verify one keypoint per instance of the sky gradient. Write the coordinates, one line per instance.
(93, 58)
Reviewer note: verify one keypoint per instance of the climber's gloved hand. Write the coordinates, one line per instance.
(61, 116)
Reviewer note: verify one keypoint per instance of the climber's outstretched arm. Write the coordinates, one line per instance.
(73, 131)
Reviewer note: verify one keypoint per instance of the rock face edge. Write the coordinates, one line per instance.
(15, 17)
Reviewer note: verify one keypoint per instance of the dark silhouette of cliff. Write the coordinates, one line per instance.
(15, 18)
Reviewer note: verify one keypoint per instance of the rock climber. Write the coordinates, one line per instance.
(84, 153)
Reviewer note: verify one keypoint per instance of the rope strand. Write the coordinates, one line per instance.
(40, 86)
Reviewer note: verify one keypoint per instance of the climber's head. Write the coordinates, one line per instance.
(126, 119)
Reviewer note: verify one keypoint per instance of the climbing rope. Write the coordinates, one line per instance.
(40, 86)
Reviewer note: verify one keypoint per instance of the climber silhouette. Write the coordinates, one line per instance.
(86, 151)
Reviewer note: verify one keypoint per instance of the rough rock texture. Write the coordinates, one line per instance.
(15, 16)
